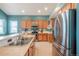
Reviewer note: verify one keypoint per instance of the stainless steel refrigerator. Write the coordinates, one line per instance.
(65, 33)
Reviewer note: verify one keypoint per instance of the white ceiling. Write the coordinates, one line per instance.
(29, 8)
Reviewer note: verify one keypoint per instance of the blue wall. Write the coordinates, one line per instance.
(77, 29)
(3, 16)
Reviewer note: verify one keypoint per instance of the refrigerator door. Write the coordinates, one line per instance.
(58, 30)
(64, 36)
(60, 33)
(69, 33)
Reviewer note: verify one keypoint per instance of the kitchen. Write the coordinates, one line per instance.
(27, 29)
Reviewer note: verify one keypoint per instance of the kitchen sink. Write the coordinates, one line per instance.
(22, 41)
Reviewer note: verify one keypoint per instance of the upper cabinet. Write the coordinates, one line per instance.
(23, 24)
(29, 23)
(26, 23)
(40, 23)
(43, 23)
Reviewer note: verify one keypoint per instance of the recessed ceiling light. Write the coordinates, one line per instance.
(46, 8)
(39, 11)
(23, 11)
(57, 9)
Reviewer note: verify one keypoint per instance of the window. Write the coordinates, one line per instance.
(1, 26)
(13, 26)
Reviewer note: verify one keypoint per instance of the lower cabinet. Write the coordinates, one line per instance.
(51, 38)
(45, 37)
(31, 50)
(42, 37)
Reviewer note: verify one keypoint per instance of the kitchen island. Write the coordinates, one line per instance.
(16, 50)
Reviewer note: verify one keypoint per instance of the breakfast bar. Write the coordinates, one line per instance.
(19, 50)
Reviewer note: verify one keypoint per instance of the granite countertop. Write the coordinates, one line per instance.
(16, 50)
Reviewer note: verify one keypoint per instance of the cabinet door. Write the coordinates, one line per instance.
(50, 38)
(26, 24)
(29, 23)
(40, 24)
(45, 23)
(40, 37)
(32, 49)
(36, 22)
(44, 37)
(23, 24)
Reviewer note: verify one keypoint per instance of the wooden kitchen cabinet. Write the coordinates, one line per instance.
(40, 37)
(29, 23)
(23, 24)
(50, 38)
(36, 22)
(45, 37)
(26, 24)
(31, 50)
(45, 23)
(40, 23)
